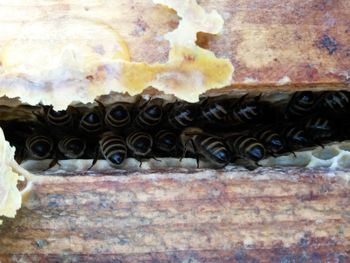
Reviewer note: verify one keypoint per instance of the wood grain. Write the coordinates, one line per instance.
(183, 216)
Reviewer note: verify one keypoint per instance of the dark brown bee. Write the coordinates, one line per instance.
(248, 111)
(319, 129)
(165, 142)
(214, 110)
(296, 137)
(139, 143)
(117, 115)
(273, 141)
(182, 115)
(246, 147)
(63, 119)
(300, 105)
(72, 147)
(91, 122)
(208, 147)
(150, 114)
(335, 102)
(39, 147)
(113, 148)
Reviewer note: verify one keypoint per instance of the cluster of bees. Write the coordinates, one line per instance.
(217, 130)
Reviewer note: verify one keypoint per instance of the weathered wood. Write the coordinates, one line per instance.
(203, 216)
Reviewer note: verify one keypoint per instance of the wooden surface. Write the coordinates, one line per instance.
(194, 216)
(268, 41)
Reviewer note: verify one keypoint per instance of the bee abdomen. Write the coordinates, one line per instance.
(300, 104)
(247, 147)
(39, 146)
(72, 147)
(151, 116)
(58, 118)
(91, 122)
(113, 148)
(118, 116)
(166, 141)
(337, 101)
(216, 149)
(214, 112)
(272, 141)
(139, 143)
(182, 116)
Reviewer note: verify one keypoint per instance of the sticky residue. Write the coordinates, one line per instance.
(83, 58)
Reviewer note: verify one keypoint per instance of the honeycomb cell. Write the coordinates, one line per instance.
(345, 146)
(344, 161)
(302, 159)
(326, 153)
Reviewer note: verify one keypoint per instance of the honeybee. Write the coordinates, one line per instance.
(117, 115)
(272, 140)
(248, 111)
(335, 103)
(182, 114)
(62, 121)
(246, 147)
(301, 104)
(150, 114)
(72, 147)
(215, 110)
(166, 143)
(139, 144)
(39, 147)
(91, 122)
(113, 148)
(319, 129)
(296, 137)
(205, 146)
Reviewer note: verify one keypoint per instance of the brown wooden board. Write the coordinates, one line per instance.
(192, 216)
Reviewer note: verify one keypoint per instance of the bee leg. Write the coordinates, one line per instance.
(95, 158)
(19, 158)
(140, 160)
(155, 158)
(196, 152)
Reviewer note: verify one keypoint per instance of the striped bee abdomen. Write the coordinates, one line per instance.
(214, 112)
(139, 143)
(273, 142)
(150, 115)
(247, 147)
(117, 116)
(182, 115)
(336, 102)
(59, 118)
(319, 128)
(113, 148)
(296, 137)
(166, 141)
(91, 122)
(39, 146)
(213, 149)
(72, 147)
(301, 104)
(245, 112)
